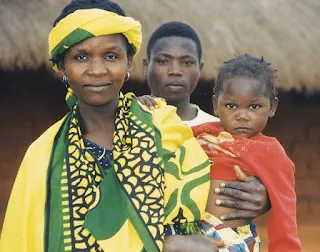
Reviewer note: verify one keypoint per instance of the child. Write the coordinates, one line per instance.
(244, 98)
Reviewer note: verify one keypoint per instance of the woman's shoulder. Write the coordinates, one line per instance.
(46, 139)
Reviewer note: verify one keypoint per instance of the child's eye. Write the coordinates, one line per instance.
(254, 106)
(230, 106)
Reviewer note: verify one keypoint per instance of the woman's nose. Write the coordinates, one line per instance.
(97, 67)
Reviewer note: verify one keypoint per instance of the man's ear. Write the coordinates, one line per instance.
(201, 65)
(215, 105)
(273, 106)
(145, 63)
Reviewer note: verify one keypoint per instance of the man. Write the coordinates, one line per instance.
(172, 68)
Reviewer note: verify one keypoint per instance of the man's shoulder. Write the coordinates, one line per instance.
(201, 118)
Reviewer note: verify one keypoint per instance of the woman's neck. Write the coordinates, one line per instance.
(97, 123)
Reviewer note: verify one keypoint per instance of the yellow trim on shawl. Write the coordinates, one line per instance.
(23, 227)
(174, 134)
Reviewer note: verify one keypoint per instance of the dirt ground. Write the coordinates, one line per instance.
(309, 235)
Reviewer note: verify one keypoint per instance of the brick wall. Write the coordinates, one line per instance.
(32, 101)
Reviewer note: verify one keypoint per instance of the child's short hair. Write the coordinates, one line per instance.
(247, 66)
(172, 29)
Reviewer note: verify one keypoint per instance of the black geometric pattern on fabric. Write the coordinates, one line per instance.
(139, 170)
(84, 176)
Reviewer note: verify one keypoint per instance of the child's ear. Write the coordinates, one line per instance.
(273, 106)
(215, 105)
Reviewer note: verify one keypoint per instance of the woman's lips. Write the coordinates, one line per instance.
(97, 88)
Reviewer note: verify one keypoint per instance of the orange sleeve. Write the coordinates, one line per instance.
(276, 171)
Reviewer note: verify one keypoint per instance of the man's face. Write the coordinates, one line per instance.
(173, 70)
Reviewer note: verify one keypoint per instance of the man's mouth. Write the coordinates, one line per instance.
(175, 86)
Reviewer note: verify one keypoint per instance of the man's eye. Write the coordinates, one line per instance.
(188, 62)
(162, 61)
(254, 106)
(230, 106)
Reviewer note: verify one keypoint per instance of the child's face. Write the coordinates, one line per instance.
(243, 107)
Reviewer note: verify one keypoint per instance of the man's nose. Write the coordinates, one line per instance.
(175, 69)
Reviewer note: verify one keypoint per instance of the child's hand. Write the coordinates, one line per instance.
(148, 101)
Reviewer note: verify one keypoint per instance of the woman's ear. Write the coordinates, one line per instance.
(61, 67)
(215, 105)
(130, 58)
(273, 106)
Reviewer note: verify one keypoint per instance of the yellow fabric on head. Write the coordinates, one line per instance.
(86, 23)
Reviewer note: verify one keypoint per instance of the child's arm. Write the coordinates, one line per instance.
(248, 195)
(276, 171)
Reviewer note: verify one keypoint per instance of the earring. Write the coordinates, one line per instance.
(65, 81)
(127, 77)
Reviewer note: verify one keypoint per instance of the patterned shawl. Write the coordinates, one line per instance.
(61, 200)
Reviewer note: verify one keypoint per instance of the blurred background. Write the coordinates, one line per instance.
(286, 33)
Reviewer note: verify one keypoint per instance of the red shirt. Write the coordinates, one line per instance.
(265, 158)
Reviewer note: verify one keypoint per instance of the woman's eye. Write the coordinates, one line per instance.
(230, 106)
(254, 106)
(111, 56)
(81, 57)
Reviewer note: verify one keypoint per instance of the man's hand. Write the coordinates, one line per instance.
(190, 243)
(148, 101)
(250, 197)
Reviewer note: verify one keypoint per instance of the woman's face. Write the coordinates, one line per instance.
(96, 69)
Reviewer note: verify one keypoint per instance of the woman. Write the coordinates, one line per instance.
(110, 176)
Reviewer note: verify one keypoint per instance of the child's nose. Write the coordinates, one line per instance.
(243, 115)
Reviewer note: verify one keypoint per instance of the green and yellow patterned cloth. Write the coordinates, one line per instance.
(62, 201)
(88, 23)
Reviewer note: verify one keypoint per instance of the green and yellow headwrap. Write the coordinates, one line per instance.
(87, 23)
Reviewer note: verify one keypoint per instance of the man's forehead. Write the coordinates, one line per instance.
(175, 45)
